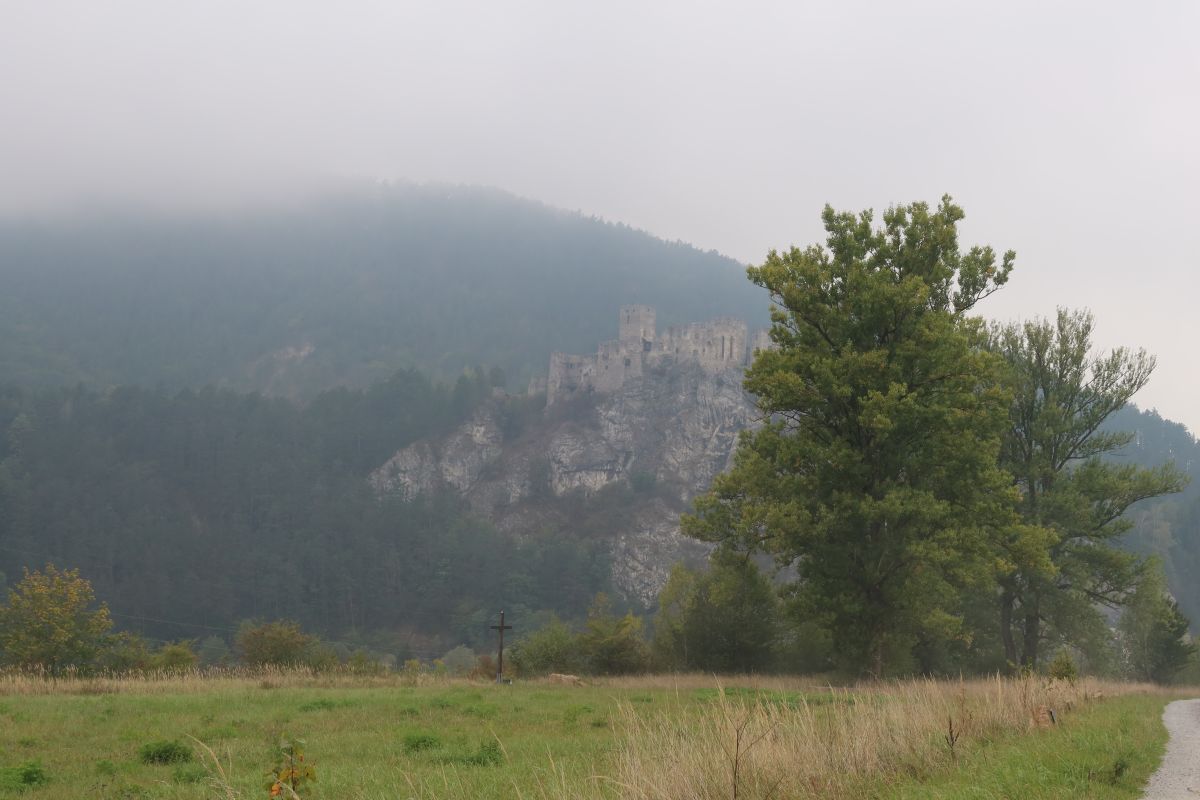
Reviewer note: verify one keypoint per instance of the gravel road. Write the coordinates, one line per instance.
(1178, 778)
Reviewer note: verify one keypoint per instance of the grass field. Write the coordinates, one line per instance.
(655, 737)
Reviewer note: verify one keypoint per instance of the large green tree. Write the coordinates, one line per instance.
(876, 474)
(1055, 449)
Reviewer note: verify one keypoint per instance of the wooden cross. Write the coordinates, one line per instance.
(500, 661)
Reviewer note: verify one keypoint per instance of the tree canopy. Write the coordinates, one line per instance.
(52, 621)
(1070, 494)
(876, 474)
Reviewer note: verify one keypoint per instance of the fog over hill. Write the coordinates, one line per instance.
(340, 290)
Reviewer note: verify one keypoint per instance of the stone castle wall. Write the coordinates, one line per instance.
(717, 345)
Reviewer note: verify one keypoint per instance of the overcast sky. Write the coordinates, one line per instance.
(1070, 132)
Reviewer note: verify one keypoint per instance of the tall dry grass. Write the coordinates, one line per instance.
(836, 744)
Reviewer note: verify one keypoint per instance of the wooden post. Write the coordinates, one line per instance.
(500, 659)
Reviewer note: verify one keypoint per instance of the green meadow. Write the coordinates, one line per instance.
(655, 737)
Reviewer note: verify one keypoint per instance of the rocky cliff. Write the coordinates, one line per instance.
(619, 465)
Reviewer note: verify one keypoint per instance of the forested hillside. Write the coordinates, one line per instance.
(193, 510)
(1167, 527)
(341, 291)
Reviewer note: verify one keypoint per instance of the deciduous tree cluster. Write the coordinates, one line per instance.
(938, 487)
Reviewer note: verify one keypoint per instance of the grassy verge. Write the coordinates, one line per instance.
(1103, 753)
(642, 739)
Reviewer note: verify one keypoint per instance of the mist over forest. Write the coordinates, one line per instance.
(192, 407)
(342, 290)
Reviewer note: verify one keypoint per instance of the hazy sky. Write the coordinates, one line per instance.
(1070, 132)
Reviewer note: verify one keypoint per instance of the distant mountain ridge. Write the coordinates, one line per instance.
(341, 290)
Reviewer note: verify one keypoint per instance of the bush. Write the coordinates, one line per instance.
(613, 645)
(488, 754)
(550, 649)
(460, 660)
(485, 669)
(418, 742)
(362, 662)
(23, 776)
(280, 643)
(174, 657)
(165, 752)
(1063, 667)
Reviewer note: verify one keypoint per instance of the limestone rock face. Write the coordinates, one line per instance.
(632, 459)
(457, 462)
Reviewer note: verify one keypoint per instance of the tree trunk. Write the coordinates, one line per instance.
(1032, 637)
(877, 657)
(1007, 601)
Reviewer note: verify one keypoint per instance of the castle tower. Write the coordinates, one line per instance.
(637, 327)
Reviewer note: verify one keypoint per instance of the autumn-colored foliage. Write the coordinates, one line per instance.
(291, 773)
(49, 621)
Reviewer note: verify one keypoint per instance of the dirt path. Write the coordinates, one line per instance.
(1178, 778)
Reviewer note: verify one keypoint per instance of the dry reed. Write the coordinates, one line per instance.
(837, 744)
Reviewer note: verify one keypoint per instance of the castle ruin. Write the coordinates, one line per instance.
(718, 345)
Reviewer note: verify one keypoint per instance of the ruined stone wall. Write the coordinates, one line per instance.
(568, 375)
(615, 363)
(717, 345)
(637, 326)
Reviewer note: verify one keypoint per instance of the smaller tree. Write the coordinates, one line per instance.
(459, 660)
(1153, 631)
(613, 645)
(553, 648)
(175, 657)
(124, 652)
(279, 643)
(725, 619)
(49, 621)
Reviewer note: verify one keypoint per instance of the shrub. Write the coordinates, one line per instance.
(613, 645)
(280, 643)
(418, 742)
(488, 754)
(550, 649)
(165, 752)
(1063, 667)
(460, 660)
(485, 669)
(363, 663)
(23, 776)
(174, 657)
(290, 769)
